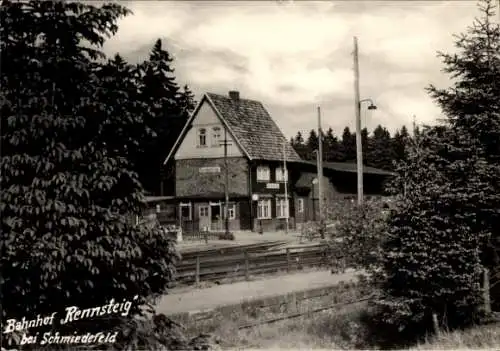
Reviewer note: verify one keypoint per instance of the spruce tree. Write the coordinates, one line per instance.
(170, 108)
(348, 145)
(448, 195)
(399, 143)
(380, 151)
(472, 110)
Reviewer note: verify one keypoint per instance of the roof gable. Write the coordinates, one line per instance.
(254, 128)
(249, 124)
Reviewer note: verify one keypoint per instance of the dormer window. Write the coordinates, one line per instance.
(202, 137)
(216, 136)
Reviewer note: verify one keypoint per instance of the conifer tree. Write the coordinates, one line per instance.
(448, 194)
(170, 109)
(380, 151)
(348, 145)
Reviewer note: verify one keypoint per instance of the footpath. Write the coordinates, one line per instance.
(228, 294)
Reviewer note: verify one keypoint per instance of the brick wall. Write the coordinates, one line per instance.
(190, 182)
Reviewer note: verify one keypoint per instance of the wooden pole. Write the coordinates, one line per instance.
(320, 171)
(285, 178)
(197, 276)
(247, 266)
(288, 268)
(359, 145)
(486, 291)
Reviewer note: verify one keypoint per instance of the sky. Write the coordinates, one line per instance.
(294, 56)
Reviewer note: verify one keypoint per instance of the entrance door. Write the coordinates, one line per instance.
(215, 216)
(204, 217)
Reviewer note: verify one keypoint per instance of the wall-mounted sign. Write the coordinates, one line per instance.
(272, 186)
(255, 197)
(210, 169)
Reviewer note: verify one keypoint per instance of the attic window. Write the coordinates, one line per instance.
(202, 137)
(216, 134)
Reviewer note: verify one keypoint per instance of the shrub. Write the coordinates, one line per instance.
(228, 236)
(355, 235)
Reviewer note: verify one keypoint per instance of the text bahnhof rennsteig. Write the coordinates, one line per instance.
(73, 314)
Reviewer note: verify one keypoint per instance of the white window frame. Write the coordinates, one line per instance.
(188, 205)
(263, 174)
(261, 204)
(281, 174)
(282, 207)
(216, 136)
(231, 211)
(203, 207)
(300, 205)
(202, 132)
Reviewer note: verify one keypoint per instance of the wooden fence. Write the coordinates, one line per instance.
(198, 267)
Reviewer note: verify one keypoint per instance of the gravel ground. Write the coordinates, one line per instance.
(228, 294)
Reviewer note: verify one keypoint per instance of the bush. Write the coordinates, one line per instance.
(224, 236)
(355, 235)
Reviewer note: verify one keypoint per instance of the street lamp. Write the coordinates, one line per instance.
(371, 106)
(359, 146)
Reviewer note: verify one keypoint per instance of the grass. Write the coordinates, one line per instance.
(338, 329)
(480, 337)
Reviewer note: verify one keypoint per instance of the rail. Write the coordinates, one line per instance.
(301, 314)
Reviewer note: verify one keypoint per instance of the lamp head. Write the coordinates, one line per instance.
(372, 107)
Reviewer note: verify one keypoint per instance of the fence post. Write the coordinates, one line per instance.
(486, 291)
(247, 266)
(288, 268)
(197, 276)
(435, 323)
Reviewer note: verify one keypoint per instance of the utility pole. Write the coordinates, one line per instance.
(285, 178)
(359, 145)
(225, 142)
(320, 172)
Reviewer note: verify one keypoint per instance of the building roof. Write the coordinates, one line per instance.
(349, 167)
(254, 128)
(250, 125)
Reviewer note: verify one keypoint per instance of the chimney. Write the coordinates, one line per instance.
(234, 95)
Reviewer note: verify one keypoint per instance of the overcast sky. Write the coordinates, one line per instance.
(296, 55)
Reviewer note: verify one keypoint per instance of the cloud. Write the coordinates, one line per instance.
(293, 56)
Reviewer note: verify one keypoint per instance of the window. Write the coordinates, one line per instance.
(185, 211)
(300, 205)
(202, 137)
(282, 208)
(216, 135)
(281, 174)
(264, 209)
(263, 174)
(203, 211)
(231, 210)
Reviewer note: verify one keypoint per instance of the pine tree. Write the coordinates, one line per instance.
(68, 191)
(431, 263)
(300, 147)
(399, 143)
(312, 144)
(348, 145)
(333, 148)
(472, 109)
(380, 151)
(448, 194)
(170, 108)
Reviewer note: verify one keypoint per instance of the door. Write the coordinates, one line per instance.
(204, 217)
(215, 216)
